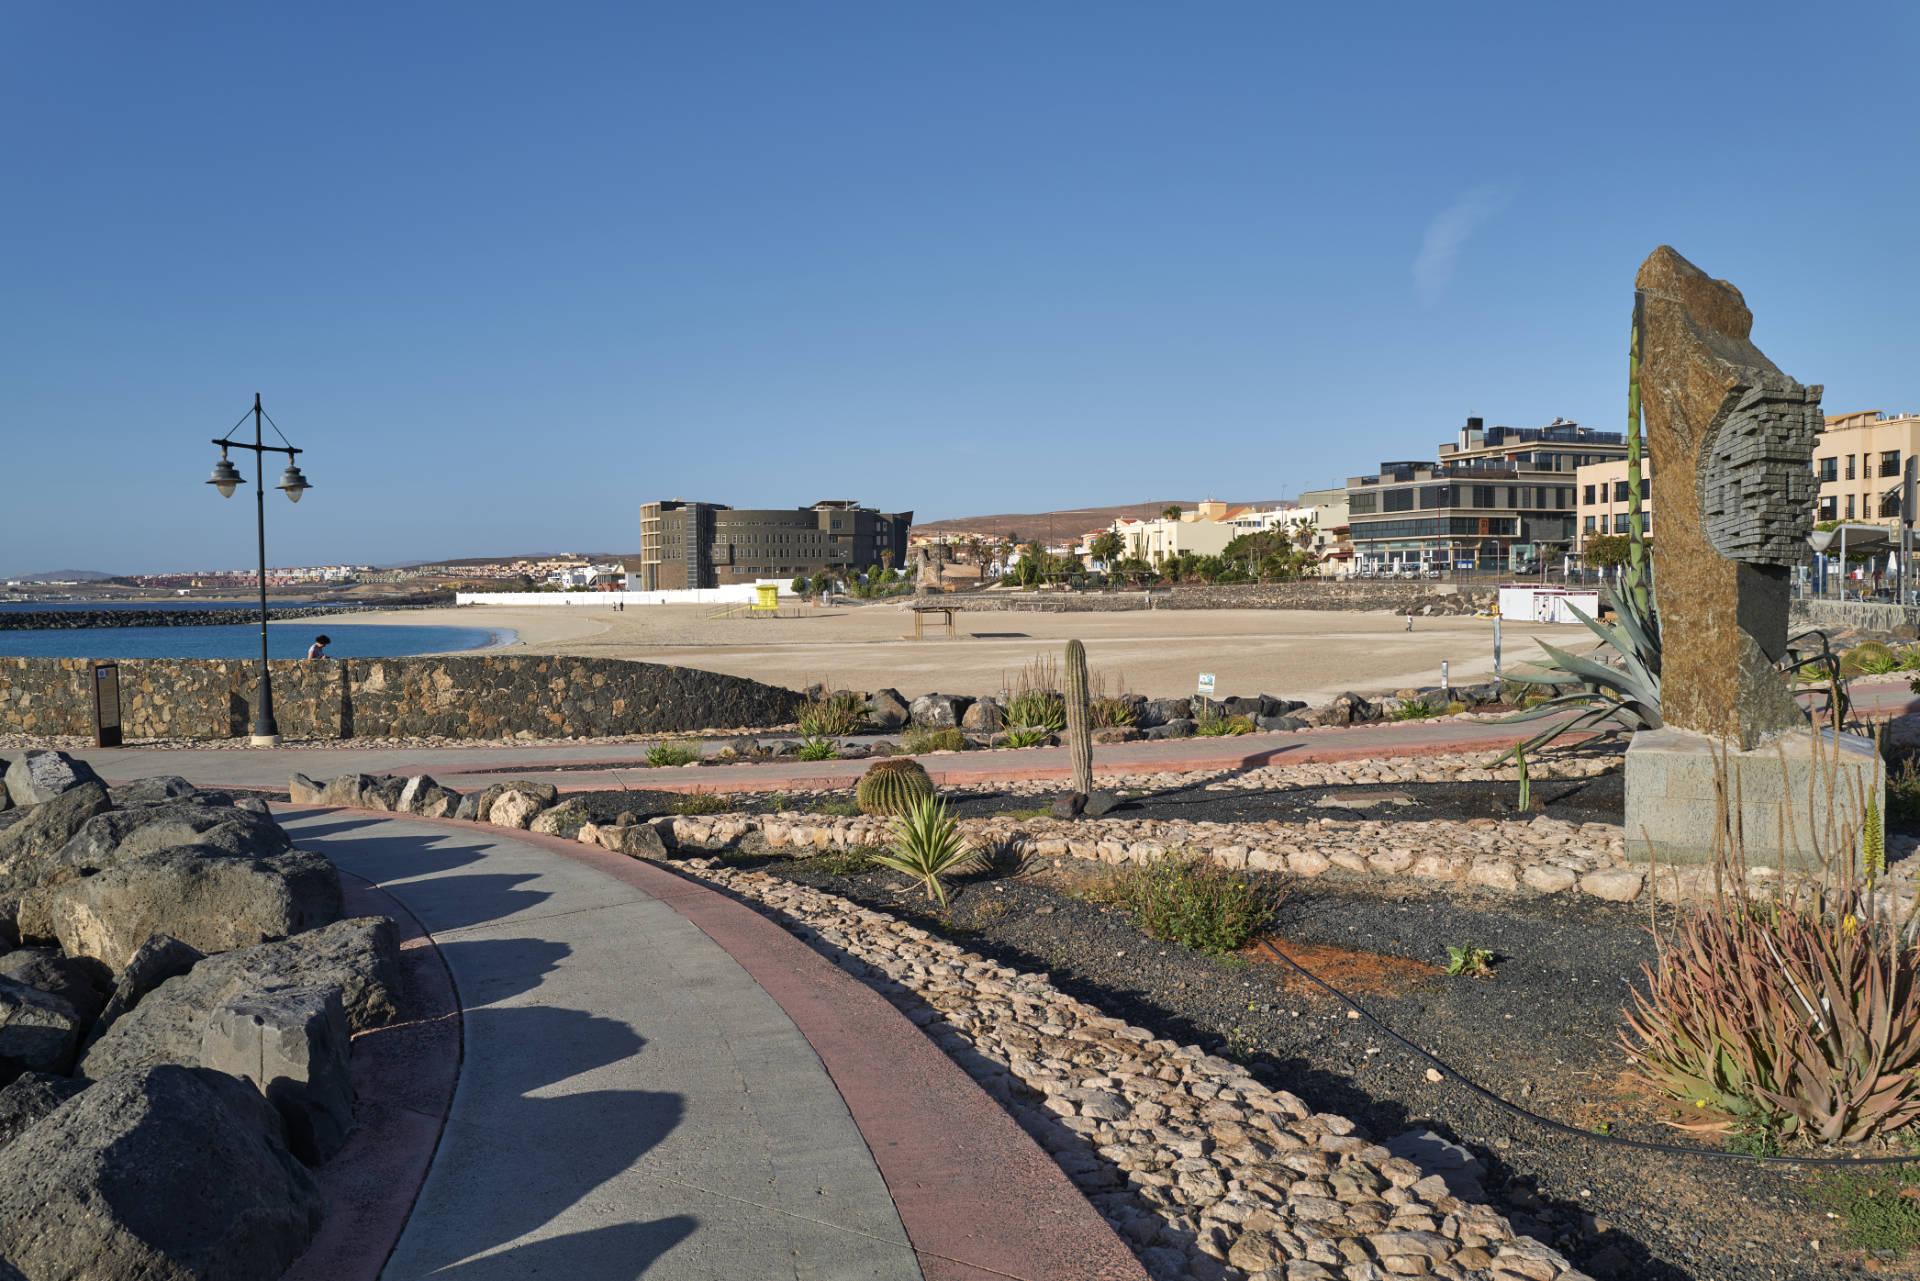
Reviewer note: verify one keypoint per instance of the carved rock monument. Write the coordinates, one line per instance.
(1731, 439)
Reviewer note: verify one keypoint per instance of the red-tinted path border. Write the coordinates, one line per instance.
(979, 1199)
(403, 1080)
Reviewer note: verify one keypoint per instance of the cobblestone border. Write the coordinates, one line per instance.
(1205, 1171)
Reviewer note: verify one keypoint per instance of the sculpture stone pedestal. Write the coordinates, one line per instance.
(1780, 790)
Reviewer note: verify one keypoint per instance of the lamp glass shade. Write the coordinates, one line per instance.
(225, 478)
(293, 483)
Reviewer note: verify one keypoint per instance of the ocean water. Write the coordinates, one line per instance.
(242, 640)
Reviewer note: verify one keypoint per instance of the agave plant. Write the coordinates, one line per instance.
(1610, 698)
(926, 844)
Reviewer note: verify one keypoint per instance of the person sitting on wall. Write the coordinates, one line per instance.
(319, 647)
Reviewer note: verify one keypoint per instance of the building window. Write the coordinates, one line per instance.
(1849, 472)
(1890, 462)
(1588, 500)
(1591, 521)
(1827, 507)
(1619, 491)
(1890, 504)
(1397, 500)
(1829, 469)
(1483, 496)
(1646, 488)
(1849, 501)
(1620, 522)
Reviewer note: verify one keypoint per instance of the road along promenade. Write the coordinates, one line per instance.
(655, 1080)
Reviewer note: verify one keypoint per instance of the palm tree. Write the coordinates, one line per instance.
(1170, 512)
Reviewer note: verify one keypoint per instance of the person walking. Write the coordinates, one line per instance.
(1409, 622)
(319, 647)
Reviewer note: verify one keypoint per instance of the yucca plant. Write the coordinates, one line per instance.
(926, 844)
(1113, 711)
(1027, 736)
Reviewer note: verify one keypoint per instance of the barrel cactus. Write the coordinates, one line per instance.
(893, 785)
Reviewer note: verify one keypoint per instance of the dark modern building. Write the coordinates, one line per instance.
(686, 544)
(1497, 497)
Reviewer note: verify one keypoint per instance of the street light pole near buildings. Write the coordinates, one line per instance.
(266, 733)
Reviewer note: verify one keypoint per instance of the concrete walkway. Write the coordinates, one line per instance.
(658, 1081)
(593, 768)
(630, 1102)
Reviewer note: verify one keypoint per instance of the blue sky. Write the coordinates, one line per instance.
(509, 270)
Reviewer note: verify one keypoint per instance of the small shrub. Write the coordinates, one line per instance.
(1415, 709)
(1214, 725)
(818, 749)
(692, 803)
(926, 844)
(918, 739)
(1469, 961)
(1192, 901)
(992, 909)
(665, 755)
(832, 714)
(1027, 736)
(1880, 1207)
(1455, 708)
(1037, 811)
(1113, 711)
(1903, 794)
(836, 806)
(850, 861)
(892, 786)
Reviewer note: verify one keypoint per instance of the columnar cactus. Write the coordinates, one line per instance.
(1079, 718)
(892, 785)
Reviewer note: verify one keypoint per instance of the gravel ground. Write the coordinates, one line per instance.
(1541, 1032)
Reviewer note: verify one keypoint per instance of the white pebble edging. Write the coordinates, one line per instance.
(1205, 1171)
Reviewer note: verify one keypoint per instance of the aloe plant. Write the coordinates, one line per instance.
(1793, 1019)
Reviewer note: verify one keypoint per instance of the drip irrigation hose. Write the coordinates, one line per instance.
(1562, 1127)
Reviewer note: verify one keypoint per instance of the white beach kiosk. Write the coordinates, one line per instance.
(1546, 603)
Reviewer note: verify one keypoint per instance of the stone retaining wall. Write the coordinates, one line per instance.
(463, 697)
(1357, 595)
(1838, 614)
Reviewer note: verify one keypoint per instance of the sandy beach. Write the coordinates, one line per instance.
(1305, 654)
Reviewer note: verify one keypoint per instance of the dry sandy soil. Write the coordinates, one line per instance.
(1305, 654)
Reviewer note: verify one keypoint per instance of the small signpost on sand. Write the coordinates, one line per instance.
(1206, 684)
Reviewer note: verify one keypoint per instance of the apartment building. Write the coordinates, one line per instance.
(687, 545)
(1497, 496)
(1204, 531)
(1325, 512)
(1603, 499)
(1858, 463)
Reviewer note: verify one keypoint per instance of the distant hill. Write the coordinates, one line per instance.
(1057, 526)
(600, 557)
(58, 576)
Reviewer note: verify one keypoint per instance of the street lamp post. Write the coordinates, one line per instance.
(266, 733)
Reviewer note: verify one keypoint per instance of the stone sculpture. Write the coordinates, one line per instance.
(1732, 442)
